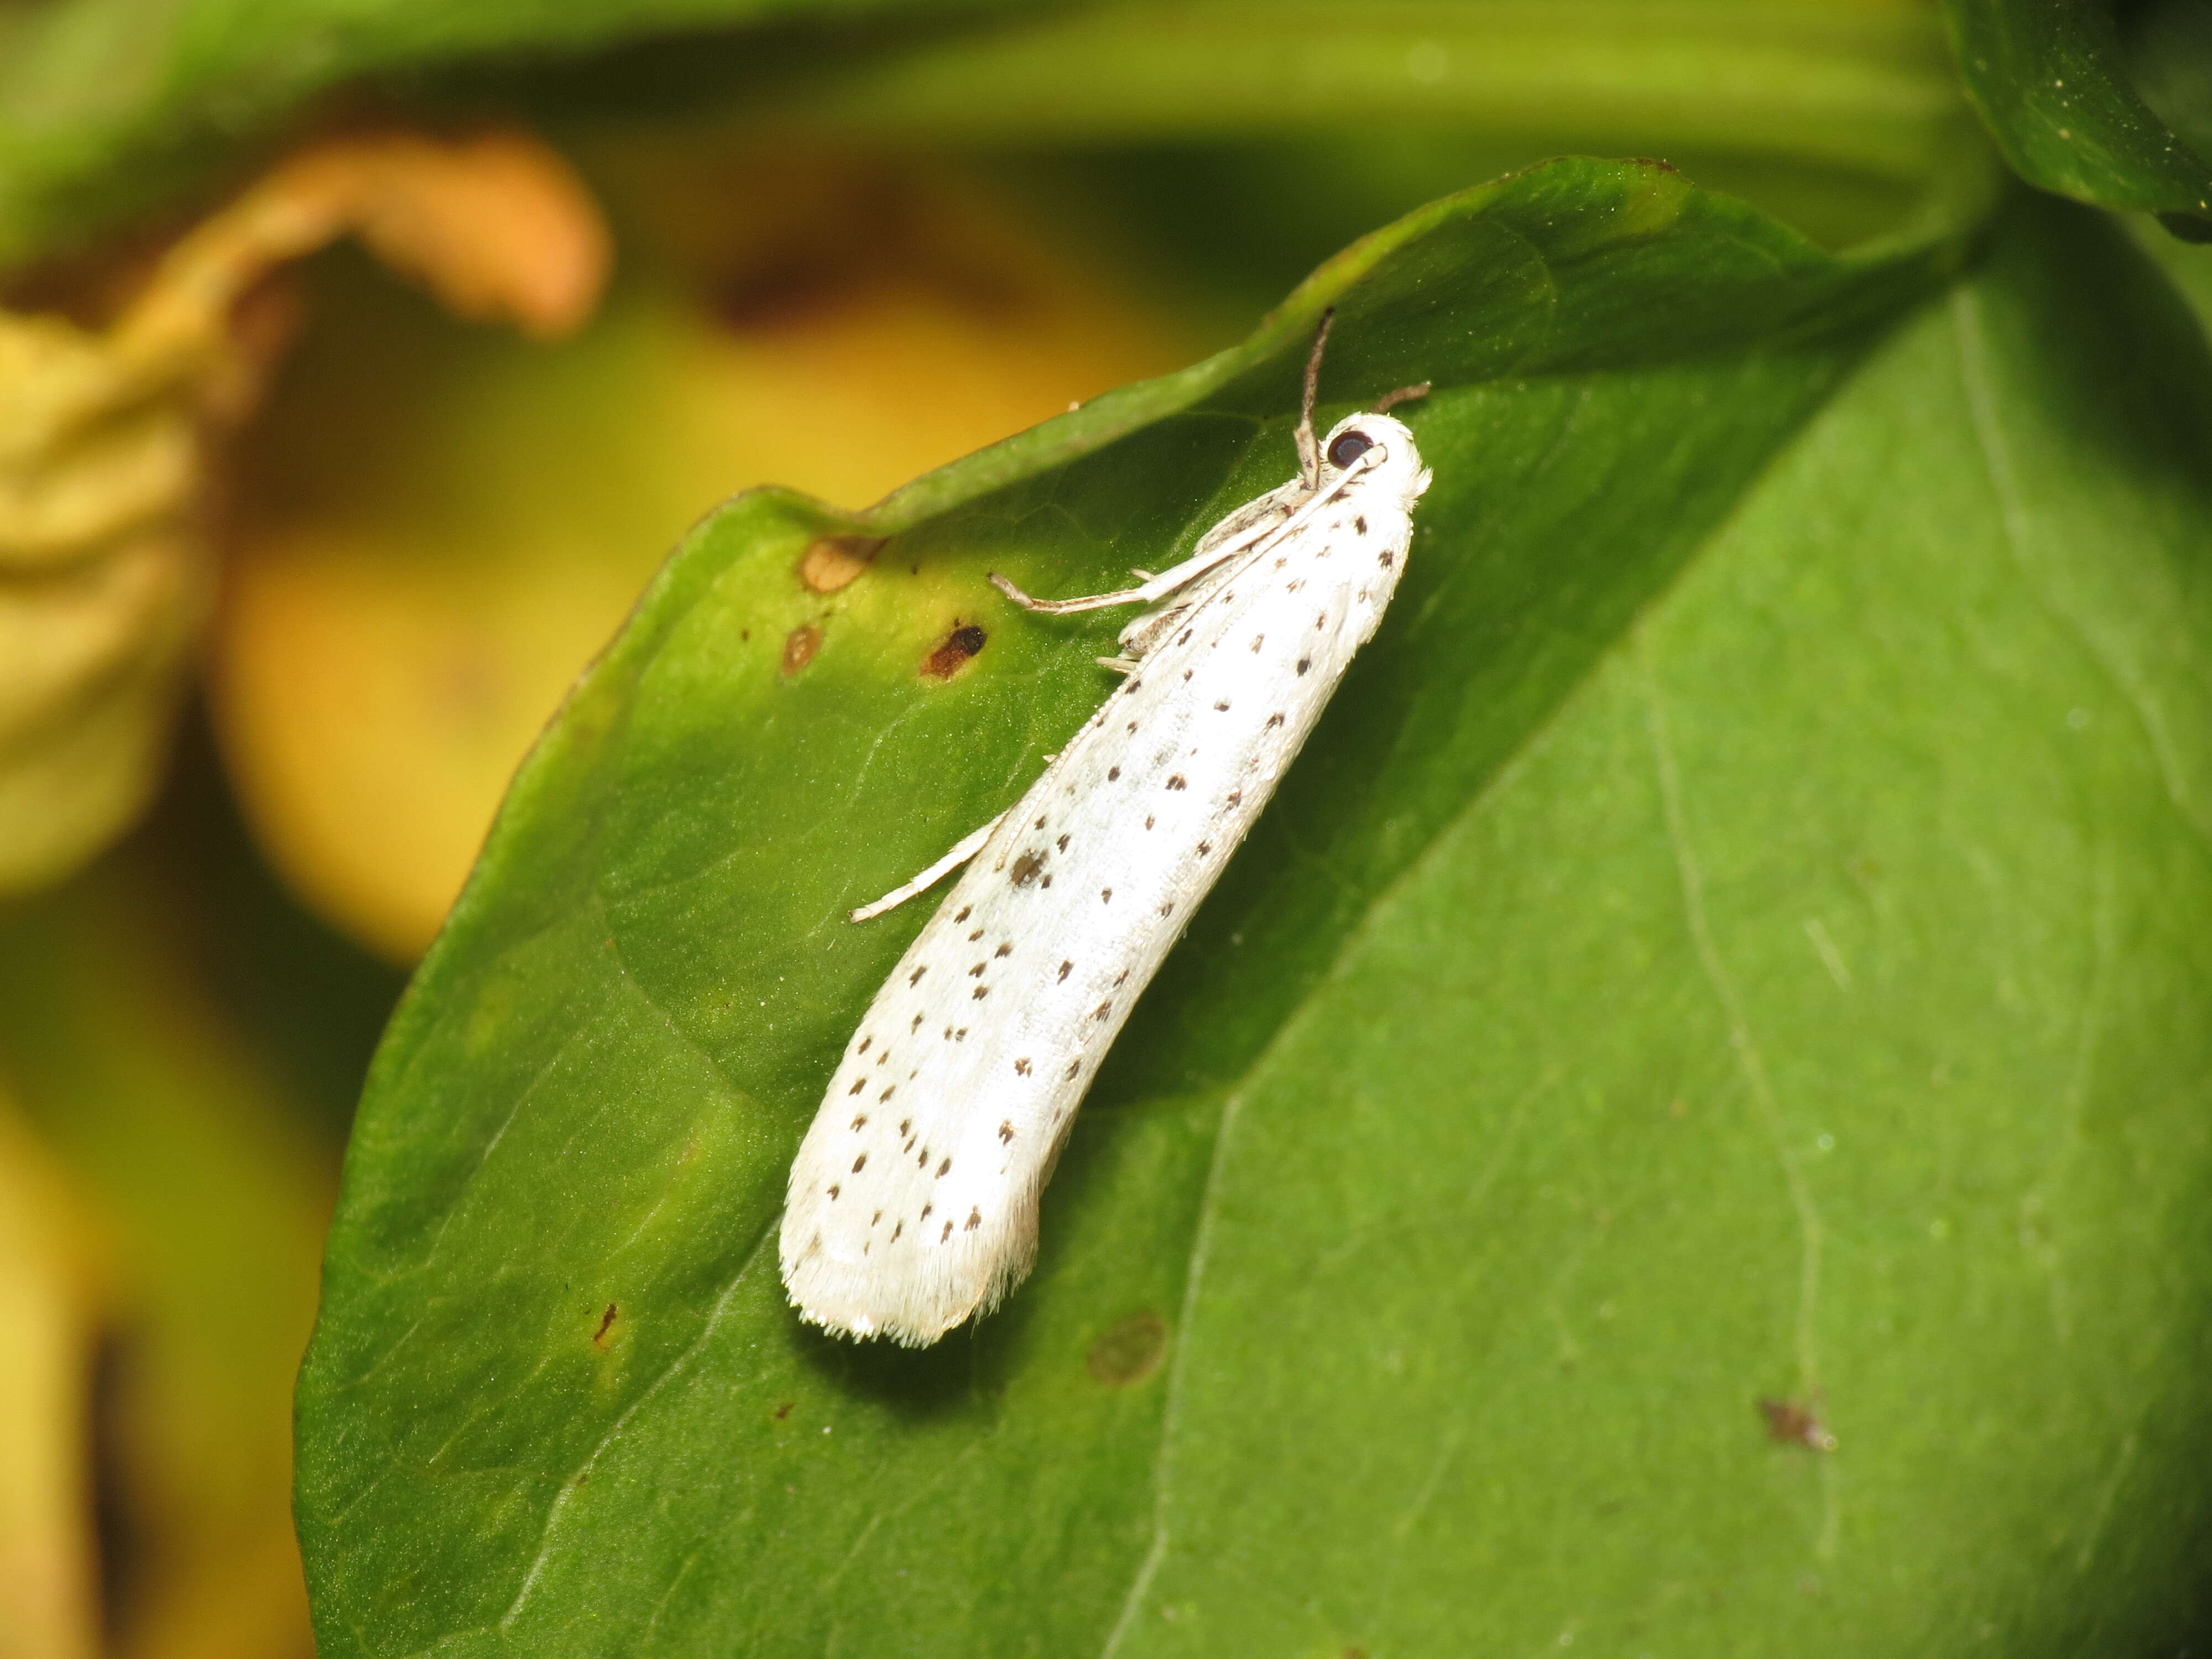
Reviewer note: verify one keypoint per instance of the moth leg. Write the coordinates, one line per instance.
(1119, 665)
(1176, 578)
(969, 846)
(1154, 589)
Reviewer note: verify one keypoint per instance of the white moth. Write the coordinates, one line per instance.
(913, 1198)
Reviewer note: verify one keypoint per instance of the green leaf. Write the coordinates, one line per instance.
(1740, 932)
(108, 107)
(2048, 80)
(1865, 87)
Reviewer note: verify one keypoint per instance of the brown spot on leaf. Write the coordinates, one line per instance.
(783, 1411)
(1795, 1423)
(606, 1324)
(1129, 1350)
(832, 562)
(965, 641)
(798, 647)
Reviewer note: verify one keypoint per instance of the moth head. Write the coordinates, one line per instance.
(1380, 447)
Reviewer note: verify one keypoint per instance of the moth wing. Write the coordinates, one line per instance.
(913, 1200)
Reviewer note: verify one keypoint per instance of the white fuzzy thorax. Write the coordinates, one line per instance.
(913, 1198)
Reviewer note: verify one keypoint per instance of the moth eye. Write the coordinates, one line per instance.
(1349, 448)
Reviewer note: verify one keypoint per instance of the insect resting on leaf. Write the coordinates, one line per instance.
(913, 1202)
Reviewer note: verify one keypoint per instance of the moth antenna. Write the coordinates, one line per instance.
(1404, 394)
(1309, 446)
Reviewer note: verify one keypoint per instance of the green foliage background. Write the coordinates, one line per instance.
(1741, 933)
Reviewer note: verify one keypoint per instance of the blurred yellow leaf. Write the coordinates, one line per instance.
(437, 528)
(49, 1309)
(212, 1197)
(106, 568)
